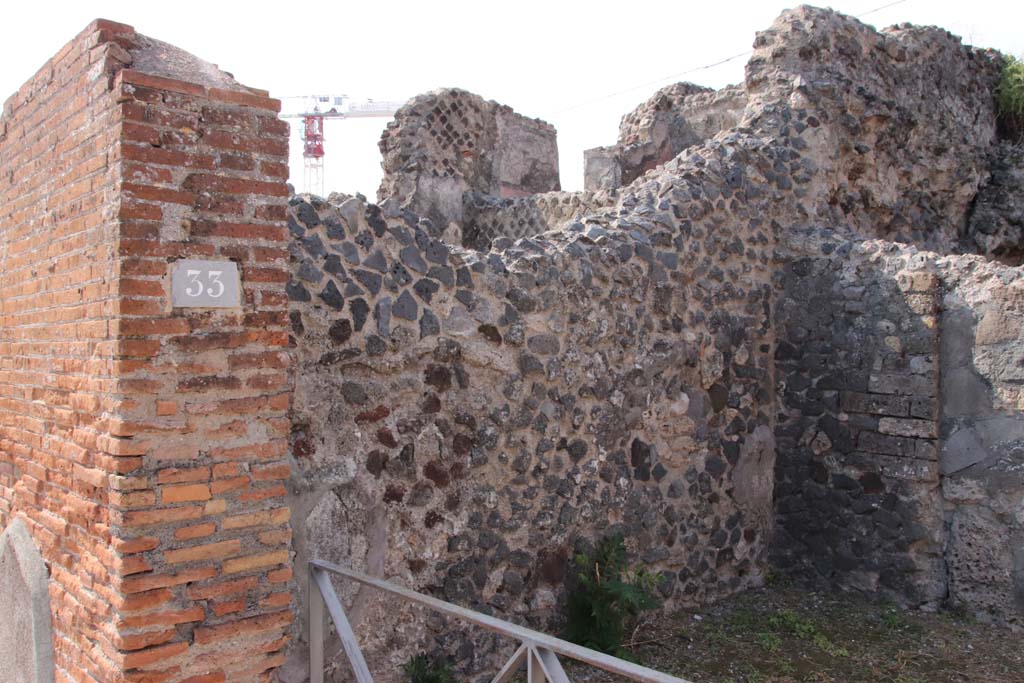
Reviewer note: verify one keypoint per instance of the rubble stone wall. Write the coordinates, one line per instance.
(464, 421)
(486, 218)
(900, 461)
(676, 117)
(848, 513)
(982, 429)
(902, 122)
(996, 223)
(448, 142)
(836, 130)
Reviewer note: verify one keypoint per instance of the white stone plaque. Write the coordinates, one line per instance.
(205, 284)
(26, 640)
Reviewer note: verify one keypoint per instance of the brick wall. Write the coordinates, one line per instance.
(145, 445)
(58, 300)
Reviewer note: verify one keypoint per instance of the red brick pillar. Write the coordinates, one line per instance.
(144, 443)
(59, 186)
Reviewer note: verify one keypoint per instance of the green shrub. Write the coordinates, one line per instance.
(1010, 98)
(423, 668)
(607, 598)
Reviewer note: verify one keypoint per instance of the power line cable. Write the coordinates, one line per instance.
(695, 69)
(650, 83)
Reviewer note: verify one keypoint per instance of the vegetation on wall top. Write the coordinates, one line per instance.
(1010, 99)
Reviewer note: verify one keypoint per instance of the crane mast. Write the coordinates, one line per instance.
(313, 117)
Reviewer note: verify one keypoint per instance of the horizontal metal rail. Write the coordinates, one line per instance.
(538, 651)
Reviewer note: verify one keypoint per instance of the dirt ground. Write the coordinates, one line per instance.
(785, 635)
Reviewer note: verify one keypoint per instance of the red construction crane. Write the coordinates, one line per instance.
(313, 136)
(313, 128)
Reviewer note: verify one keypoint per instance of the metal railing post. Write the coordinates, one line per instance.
(349, 643)
(534, 671)
(316, 630)
(549, 663)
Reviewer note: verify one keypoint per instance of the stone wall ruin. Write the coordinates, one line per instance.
(797, 175)
(676, 117)
(449, 143)
(899, 455)
(781, 327)
(503, 408)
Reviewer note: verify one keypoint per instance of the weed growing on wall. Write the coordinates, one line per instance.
(1010, 98)
(608, 597)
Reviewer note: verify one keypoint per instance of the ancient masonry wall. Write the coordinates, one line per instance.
(487, 219)
(676, 117)
(899, 462)
(465, 421)
(203, 515)
(448, 142)
(996, 223)
(861, 406)
(982, 427)
(857, 478)
(58, 348)
(873, 421)
(461, 421)
(144, 446)
(477, 170)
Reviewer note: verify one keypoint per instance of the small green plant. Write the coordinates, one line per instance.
(803, 628)
(1010, 98)
(422, 668)
(607, 598)
(768, 641)
(892, 620)
(788, 620)
(822, 642)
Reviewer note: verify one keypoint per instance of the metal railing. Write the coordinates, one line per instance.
(537, 651)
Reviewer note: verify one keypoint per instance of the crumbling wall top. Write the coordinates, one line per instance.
(447, 142)
(158, 58)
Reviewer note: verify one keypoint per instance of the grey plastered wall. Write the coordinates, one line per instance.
(26, 642)
(982, 429)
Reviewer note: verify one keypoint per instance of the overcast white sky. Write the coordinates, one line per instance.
(559, 61)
